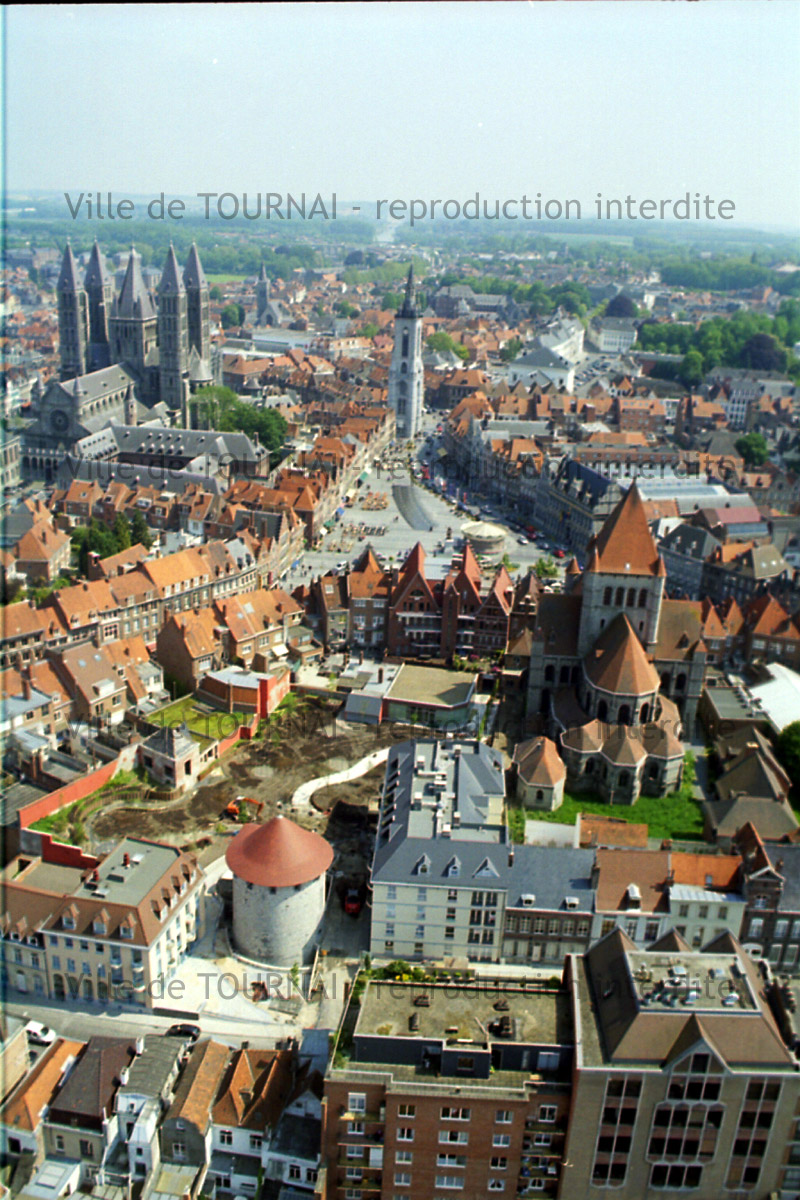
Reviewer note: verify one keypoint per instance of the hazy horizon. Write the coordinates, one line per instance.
(399, 101)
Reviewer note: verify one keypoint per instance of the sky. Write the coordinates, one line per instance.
(429, 100)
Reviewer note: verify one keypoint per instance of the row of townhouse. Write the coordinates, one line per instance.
(727, 552)
(763, 629)
(411, 614)
(447, 882)
(134, 601)
(100, 929)
(250, 627)
(157, 1115)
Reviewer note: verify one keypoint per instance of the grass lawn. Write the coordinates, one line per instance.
(677, 815)
(206, 724)
(224, 278)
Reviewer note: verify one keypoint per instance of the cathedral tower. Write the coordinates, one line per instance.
(73, 318)
(405, 369)
(197, 307)
(100, 294)
(173, 338)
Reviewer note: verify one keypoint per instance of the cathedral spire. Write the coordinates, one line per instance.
(68, 278)
(171, 282)
(193, 276)
(96, 273)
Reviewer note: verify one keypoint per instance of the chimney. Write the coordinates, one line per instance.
(26, 688)
(96, 875)
(511, 856)
(126, 859)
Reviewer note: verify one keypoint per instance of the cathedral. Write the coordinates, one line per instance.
(163, 341)
(617, 668)
(124, 357)
(406, 386)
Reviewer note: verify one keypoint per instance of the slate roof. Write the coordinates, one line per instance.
(193, 275)
(88, 1091)
(97, 275)
(171, 283)
(68, 277)
(134, 300)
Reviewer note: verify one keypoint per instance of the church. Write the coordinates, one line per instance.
(616, 668)
(406, 380)
(125, 357)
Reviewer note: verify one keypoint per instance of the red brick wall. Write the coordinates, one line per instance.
(77, 790)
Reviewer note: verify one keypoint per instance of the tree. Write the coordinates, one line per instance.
(789, 752)
(215, 293)
(761, 352)
(546, 568)
(753, 449)
(621, 306)
(369, 330)
(511, 350)
(140, 534)
(692, 368)
(122, 532)
(213, 403)
(232, 316)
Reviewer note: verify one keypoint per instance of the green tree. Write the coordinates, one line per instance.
(232, 316)
(691, 368)
(789, 753)
(140, 534)
(369, 330)
(511, 350)
(213, 403)
(215, 293)
(761, 352)
(122, 532)
(621, 306)
(753, 449)
(546, 568)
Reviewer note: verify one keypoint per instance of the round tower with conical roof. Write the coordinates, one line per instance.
(279, 874)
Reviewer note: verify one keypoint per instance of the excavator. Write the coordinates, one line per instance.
(250, 806)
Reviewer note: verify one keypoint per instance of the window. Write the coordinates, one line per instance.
(548, 1061)
(455, 1114)
(452, 893)
(497, 1185)
(402, 1179)
(355, 1126)
(457, 1137)
(501, 1140)
(547, 1113)
(542, 1139)
(404, 1156)
(407, 1110)
(405, 1134)
(499, 1162)
(350, 1173)
(87, 1148)
(451, 1160)
(449, 1181)
(354, 1151)
(357, 1102)
(179, 1149)
(255, 1141)
(504, 1116)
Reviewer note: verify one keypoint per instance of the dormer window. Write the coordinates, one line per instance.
(126, 931)
(68, 921)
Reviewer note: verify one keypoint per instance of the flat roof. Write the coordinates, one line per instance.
(51, 877)
(466, 1013)
(697, 982)
(432, 685)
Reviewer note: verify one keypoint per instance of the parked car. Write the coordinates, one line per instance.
(561, 553)
(192, 1032)
(39, 1034)
(522, 541)
(352, 902)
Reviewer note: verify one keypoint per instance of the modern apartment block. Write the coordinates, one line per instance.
(682, 1082)
(451, 1089)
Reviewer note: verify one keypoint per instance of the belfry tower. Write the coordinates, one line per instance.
(405, 369)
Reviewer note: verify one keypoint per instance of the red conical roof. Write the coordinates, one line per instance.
(625, 544)
(278, 854)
